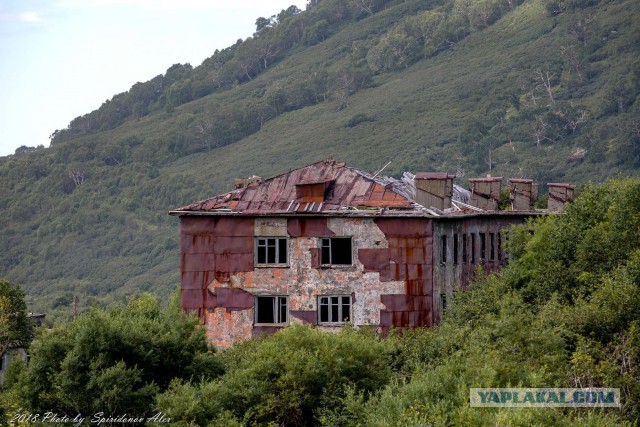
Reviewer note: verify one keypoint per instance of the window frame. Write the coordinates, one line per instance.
(277, 248)
(277, 299)
(330, 248)
(340, 306)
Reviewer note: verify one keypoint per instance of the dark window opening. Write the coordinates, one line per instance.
(483, 247)
(455, 249)
(500, 247)
(464, 248)
(443, 252)
(336, 251)
(271, 310)
(334, 309)
(492, 247)
(473, 248)
(443, 301)
(272, 250)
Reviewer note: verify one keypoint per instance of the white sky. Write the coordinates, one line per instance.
(60, 59)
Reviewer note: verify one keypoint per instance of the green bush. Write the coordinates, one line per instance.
(115, 361)
(292, 378)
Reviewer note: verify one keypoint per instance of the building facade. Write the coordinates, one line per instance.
(327, 244)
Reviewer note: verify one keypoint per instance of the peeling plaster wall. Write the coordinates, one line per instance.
(396, 280)
(224, 297)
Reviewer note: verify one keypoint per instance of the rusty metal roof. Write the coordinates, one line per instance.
(346, 188)
(347, 191)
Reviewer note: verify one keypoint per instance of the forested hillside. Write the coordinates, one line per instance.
(546, 89)
(564, 313)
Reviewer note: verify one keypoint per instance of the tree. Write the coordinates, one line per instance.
(15, 329)
(291, 378)
(262, 23)
(115, 361)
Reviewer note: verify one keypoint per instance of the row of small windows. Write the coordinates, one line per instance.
(273, 251)
(468, 253)
(338, 250)
(332, 309)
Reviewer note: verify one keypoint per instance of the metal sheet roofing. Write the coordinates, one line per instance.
(347, 191)
(345, 188)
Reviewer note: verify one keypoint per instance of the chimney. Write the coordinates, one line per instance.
(485, 192)
(559, 195)
(434, 189)
(521, 194)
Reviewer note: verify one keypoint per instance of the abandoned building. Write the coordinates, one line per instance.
(327, 244)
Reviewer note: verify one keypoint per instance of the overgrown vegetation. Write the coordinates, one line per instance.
(111, 361)
(564, 313)
(538, 88)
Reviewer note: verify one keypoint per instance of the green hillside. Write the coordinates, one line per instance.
(546, 89)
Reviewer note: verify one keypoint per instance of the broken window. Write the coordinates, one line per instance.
(499, 247)
(272, 310)
(443, 301)
(443, 251)
(483, 247)
(336, 251)
(464, 248)
(455, 249)
(271, 250)
(334, 309)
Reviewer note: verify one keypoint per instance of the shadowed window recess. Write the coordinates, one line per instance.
(272, 309)
(336, 251)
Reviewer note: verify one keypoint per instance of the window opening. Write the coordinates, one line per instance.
(271, 250)
(336, 251)
(464, 248)
(443, 251)
(455, 249)
(473, 248)
(334, 309)
(492, 247)
(271, 309)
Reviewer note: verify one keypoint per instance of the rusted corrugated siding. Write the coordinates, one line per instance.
(212, 249)
(408, 258)
(308, 227)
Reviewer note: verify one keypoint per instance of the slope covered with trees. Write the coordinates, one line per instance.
(545, 89)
